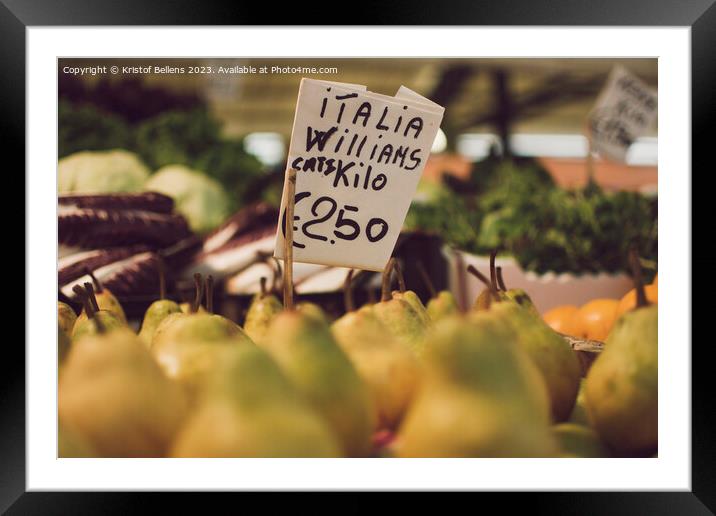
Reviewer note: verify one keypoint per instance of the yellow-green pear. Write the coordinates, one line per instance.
(399, 316)
(157, 311)
(552, 355)
(622, 388)
(442, 305)
(66, 317)
(105, 300)
(319, 369)
(93, 320)
(189, 346)
(115, 396)
(481, 396)
(388, 368)
(263, 309)
(248, 408)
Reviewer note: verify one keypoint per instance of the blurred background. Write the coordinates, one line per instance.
(508, 170)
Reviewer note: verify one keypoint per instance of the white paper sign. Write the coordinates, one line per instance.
(358, 158)
(626, 109)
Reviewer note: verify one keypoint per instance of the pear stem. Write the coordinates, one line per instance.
(95, 281)
(262, 283)
(198, 292)
(500, 280)
(472, 270)
(162, 277)
(641, 299)
(210, 294)
(91, 297)
(426, 279)
(87, 302)
(82, 297)
(493, 272)
(288, 240)
(385, 284)
(399, 273)
(348, 301)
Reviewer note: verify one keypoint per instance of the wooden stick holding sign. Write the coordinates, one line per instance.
(290, 189)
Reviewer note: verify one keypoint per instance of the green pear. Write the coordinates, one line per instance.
(155, 314)
(188, 346)
(88, 326)
(399, 316)
(442, 305)
(66, 317)
(403, 322)
(552, 355)
(114, 395)
(248, 408)
(516, 295)
(622, 385)
(388, 368)
(105, 300)
(313, 310)
(578, 441)
(158, 310)
(263, 309)
(187, 309)
(414, 301)
(481, 396)
(319, 369)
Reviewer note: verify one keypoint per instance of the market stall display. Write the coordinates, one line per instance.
(515, 317)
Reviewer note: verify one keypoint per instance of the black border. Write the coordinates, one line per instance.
(700, 15)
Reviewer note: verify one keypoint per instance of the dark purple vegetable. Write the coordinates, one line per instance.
(94, 228)
(75, 266)
(134, 276)
(145, 201)
(246, 220)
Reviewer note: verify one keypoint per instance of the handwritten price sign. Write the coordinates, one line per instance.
(626, 109)
(358, 157)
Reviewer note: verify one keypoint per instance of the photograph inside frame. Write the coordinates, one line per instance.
(470, 271)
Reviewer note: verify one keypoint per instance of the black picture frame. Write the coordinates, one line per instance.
(700, 15)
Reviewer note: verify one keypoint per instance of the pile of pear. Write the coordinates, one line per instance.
(494, 381)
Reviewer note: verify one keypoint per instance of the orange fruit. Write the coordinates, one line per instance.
(628, 302)
(562, 320)
(656, 277)
(595, 319)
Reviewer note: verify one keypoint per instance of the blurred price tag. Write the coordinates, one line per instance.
(358, 158)
(625, 109)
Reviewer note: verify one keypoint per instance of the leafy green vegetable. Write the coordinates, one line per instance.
(543, 226)
(83, 127)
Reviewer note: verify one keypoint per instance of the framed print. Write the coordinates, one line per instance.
(383, 256)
